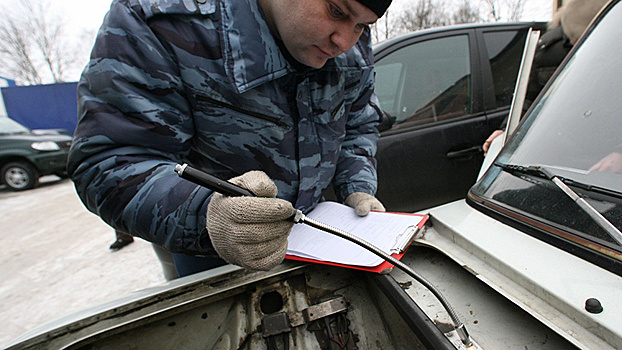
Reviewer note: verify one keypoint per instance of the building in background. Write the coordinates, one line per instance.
(48, 106)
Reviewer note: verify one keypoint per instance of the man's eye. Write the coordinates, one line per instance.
(336, 12)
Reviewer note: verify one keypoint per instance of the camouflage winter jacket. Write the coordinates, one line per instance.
(205, 83)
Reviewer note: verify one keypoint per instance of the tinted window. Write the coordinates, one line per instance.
(426, 82)
(505, 50)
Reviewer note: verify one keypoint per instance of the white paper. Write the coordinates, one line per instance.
(386, 231)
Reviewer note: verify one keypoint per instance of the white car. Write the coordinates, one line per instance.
(542, 225)
(531, 259)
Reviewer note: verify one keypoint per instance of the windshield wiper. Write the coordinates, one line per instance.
(560, 182)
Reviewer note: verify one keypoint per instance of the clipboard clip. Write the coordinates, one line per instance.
(403, 240)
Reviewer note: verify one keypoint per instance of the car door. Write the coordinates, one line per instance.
(427, 84)
(445, 100)
(502, 47)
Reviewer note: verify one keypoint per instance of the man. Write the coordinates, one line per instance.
(276, 94)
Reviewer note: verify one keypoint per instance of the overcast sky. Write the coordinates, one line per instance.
(87, 15)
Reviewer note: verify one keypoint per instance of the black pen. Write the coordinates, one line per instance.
(212, 182)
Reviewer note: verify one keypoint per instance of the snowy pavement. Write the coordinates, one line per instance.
(55, 258)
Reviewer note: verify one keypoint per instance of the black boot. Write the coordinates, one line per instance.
(123, 239)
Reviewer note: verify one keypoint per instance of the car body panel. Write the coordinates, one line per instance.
(550, 284)
(493, 320)
(47, 162)
(17, 147)
(223, 309)
(549, 271)
(218, 309)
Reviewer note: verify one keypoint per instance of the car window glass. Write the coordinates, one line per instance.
(388, 85)
(575, 131)
(9, 127)
(505, 50)
(426, 82)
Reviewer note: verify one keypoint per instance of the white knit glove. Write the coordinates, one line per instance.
(250, 231)
(363, 203)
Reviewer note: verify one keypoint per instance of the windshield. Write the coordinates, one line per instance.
(9, 127)
(575, 130)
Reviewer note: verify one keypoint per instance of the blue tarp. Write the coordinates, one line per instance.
(52, 106)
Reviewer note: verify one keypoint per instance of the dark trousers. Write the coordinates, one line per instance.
(188, 265)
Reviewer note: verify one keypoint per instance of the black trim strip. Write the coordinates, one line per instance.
(596, 258)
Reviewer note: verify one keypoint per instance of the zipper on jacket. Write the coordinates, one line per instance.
(258, 115)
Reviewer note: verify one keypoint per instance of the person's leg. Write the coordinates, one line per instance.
(167, 262)
(188, 265)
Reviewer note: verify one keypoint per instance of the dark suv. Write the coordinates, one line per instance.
(446, 90)
(26, 155)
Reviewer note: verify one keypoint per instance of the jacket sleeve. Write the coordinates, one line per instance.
(356, 167)
(134, 125)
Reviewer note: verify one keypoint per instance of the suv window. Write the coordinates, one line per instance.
(426, 82)
(505, 50)
(11, 127)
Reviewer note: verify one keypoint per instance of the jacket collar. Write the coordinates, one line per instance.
(253, 56)
(251, 53)
(177, 7)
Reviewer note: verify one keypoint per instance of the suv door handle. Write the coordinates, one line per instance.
(464, 152)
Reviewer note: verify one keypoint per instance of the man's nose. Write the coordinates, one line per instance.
(344, 37)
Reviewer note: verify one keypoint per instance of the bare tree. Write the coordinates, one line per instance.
(465, 13)
(34, 46)
(424, 14)
(384, 28)
(433, 13)
(16, 52)
(508, 10)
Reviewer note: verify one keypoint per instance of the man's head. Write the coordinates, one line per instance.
(314, 31)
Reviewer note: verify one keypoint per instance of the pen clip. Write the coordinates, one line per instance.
(410, 232)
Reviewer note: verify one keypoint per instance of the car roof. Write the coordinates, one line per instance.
(456, 27)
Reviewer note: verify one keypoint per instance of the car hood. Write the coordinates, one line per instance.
(35, 137)
(548, 283)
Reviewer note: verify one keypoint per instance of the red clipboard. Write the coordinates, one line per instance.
(382, 268)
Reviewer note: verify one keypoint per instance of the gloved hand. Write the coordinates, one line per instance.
(363, 203)
(250, 231)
